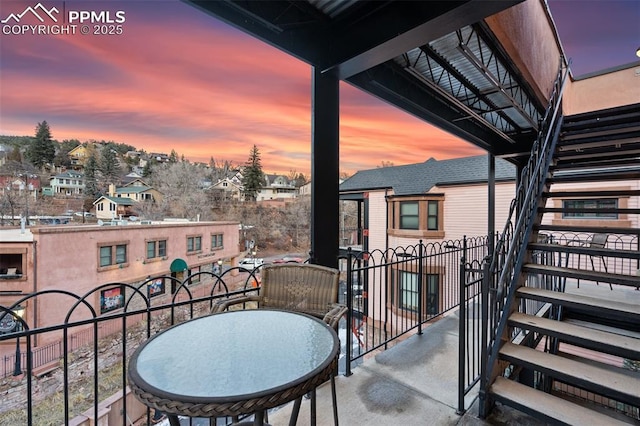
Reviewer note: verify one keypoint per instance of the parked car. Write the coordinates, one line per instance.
(251, 263)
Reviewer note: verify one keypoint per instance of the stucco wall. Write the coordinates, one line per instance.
(526, 33)
(612, 89)
(66, 258)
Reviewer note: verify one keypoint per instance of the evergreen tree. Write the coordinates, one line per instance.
(147, 170)
(91, 188)
(252, 176)
(42, 149)
(173, 157)
(109, 166)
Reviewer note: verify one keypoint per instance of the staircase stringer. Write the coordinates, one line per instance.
(509, 256)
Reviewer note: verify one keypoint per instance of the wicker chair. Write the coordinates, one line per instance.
(298, 287)
(306, 288)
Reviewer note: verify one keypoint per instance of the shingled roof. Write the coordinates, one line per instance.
(420, 178)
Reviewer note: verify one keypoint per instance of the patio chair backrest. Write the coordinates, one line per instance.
(598, 240)
(300, 287)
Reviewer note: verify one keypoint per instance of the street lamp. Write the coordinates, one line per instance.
(19, 312)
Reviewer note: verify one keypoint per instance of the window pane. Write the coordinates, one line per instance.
(198, 243)
(162, 248)
(190, 244)
(151, 249)
(409, 209)
(409, 291)
(220, 241)
(432, 294)
(409, 215)
(432, 215)
(121, 253)
(595, 204)
(105, 256)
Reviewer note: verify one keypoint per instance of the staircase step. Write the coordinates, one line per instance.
(614, 383)
(604, 307)
(586, 250)
(589, 210)
(610, 175)
(581, 274)
(604, 154)
(547, 407)
(588, 163)
(603, 341)
(588, 229)
(608, 132)
(593, 194)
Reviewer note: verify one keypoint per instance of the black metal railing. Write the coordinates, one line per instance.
(396, 293)
(82, 361)
(506, 264)
(76, 368)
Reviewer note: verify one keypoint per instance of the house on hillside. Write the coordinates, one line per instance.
(277, 187)
(27, 182)
(138, 190)
(70, 183)
(79, 155)
(121, 201)
(228, 188)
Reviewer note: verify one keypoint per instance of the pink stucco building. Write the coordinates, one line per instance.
(78, 259)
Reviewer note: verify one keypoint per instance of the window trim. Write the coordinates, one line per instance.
(394, 291)
(590, 216)
(394, 216)
(195, 248)
(157, 256)
(113, 255)
(219, 237)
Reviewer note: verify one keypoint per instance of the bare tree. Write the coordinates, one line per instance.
(182, 193)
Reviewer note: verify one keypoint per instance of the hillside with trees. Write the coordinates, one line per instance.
(187, 187)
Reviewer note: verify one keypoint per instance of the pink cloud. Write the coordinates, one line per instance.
(203, 89)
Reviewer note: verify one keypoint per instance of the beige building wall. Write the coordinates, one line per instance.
(608, 90)
(623, 221)
(378, 220)
(465, 212)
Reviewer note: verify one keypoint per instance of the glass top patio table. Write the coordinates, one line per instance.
(233, 363)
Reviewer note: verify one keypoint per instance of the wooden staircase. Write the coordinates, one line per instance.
(578, 300)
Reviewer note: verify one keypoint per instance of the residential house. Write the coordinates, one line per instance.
(121, 201)
(230, 187)
(429, 201)
(277, 187)
(69, 183)
(111, 207)
(29, 182)
(98, 255)
(79, 155)
(159, 157)
(138, 190)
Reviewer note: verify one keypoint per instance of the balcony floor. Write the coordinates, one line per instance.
(415, 382)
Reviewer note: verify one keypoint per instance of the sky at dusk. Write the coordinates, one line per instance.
(179, 79)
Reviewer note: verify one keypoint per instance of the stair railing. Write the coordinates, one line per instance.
(509, 255)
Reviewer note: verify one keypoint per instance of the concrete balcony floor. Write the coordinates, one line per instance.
(415, 382)
(412, 383)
